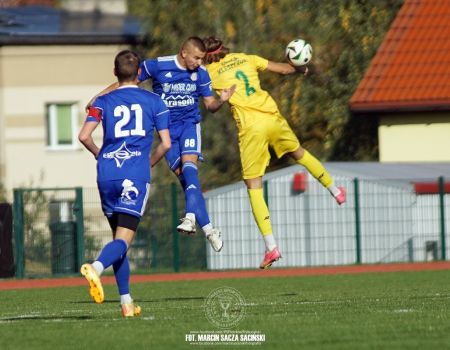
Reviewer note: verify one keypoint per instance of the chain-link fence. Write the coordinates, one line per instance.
(382, 221)
(52, 238)
(56, 230)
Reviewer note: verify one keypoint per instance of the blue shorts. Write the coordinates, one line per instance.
(123, 196)
(186, 139)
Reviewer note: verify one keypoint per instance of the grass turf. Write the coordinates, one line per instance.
(402, 310)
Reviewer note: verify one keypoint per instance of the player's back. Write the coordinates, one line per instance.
(129, 116)
(242, 69)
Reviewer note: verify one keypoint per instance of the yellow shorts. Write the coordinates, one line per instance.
(270, 130)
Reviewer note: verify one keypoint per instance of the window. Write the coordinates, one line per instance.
(62, 126)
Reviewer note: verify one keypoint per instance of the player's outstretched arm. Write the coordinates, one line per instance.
(286, 68)
(162, 148)
(213, 105)
(110, 88)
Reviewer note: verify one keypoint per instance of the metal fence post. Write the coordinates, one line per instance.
(442, 216)
(79, 215)
(357, 222)
(18, 233)
(176, 250)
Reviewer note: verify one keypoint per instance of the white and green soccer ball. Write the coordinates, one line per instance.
(299, 52)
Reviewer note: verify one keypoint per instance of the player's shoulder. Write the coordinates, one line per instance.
(203, 71)
(238, 54)
(101, 100)
(161, 61)
(150, 101)
(248, 56)
(203, 75)
(165, 60)
(235, 55)
(149, 94)
(257, 61)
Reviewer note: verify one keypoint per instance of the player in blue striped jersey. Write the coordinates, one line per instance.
(181, 81)
(129, 115)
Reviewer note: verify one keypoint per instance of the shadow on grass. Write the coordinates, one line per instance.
(138, 300)
(170, 299)
(92, 302)
(43, 318)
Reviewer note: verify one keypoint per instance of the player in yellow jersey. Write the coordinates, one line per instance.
(260, 125)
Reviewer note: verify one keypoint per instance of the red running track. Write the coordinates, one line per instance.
(9, 284)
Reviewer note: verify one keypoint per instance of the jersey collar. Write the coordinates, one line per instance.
(178, 64)
(127, 86)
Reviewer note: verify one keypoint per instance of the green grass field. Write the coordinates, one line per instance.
(407, 310)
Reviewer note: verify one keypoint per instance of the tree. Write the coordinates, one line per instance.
(344, 34)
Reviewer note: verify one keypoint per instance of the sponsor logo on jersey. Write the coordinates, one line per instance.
(166, 87)
(179, 88)
(121, 154)
(178, 100)
(168, 75)
(230, 64)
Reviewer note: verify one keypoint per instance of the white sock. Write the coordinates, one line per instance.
(98, 267)
(207, 229)
(191, 216)
(334, 190)
(269, 240)
(126, 299)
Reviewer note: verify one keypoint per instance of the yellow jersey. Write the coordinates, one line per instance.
(249, 100)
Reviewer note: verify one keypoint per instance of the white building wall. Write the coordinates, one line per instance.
(415, 137)
(30, 78)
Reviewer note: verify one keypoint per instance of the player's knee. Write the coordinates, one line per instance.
(189, 165)
(177, 171)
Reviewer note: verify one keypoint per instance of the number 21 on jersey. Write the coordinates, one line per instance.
(123, 112)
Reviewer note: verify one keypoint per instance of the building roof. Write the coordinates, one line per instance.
(407, 171)
(411, 69)
(402, 173)
(38, 25)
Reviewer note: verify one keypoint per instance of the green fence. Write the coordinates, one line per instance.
(56, 230)
(48, 231)
(383, 221)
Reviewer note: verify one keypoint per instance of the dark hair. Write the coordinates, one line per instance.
(196, 42)
(215, 50)
(126, 65)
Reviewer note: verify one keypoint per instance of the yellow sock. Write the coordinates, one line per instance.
(260, 210)
(316, 169)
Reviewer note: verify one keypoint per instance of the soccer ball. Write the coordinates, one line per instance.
(299, 52)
